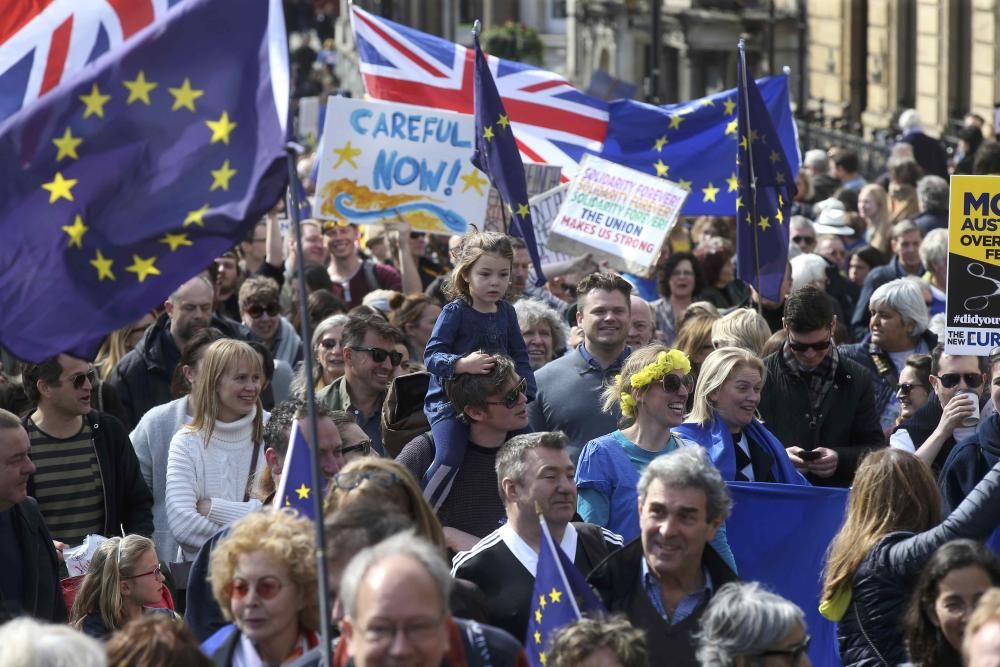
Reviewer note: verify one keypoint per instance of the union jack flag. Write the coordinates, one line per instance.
(44, 42)
(554, 122)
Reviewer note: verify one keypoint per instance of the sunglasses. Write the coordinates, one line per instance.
(379, 355)
(267, 588)
(802, 347)
(255, 311)
(904, 388)
(155, 571)
(348, 481)
(799, 240)
(511, 398)
(672, 383)
(80, 378)
(362, 447)
(949, 380)
(329, 343)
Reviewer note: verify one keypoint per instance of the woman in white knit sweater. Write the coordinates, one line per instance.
(213, 460)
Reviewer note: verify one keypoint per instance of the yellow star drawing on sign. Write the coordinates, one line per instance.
(487, 133)
(675, 121)
(185, 96)
(302, 492)
(60, 187)
(94, 102)
(555, 596)
(222, 128)
(710, 192)
(732, 126)
(221, 177)
(76, 231)
(346, 153)
(660, 143)
(67, 144)
(175, 240)
(503, 121)
(729, 104)
(733, 182)
(661, 169)
(474, 180)
(763, 224)
(139, 89)
(523, 211)
(196, 217)
(779, 216)
(143, 267)
(103, 266)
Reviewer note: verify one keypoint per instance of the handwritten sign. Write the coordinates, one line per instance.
(973, 311)
(538, 177)
(617, 213)
(544, 209)
(381, 160)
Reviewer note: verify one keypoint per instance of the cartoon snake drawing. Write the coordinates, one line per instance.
(453, 221)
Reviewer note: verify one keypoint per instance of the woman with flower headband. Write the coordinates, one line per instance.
(652, 391)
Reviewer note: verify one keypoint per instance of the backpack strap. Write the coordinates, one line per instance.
(368, 266)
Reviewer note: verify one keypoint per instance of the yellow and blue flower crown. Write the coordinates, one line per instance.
(666, 362)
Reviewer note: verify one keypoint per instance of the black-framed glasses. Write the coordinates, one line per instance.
(348, 481)
(156, 571)
(256, 310)
(511, 398)
(972, 380)
(329, 343)
(89, 376)
(362, 448)
(794, 653)
(904, 388)
(672, 383)
(808, 240)
(379, 355)
(821, 346)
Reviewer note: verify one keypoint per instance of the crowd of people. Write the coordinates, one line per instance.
(456, 401)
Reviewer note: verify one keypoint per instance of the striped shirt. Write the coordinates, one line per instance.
(68, 484)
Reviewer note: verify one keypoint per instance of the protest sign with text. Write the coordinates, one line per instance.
(544, 208)
(973, 310)
(382, 160)
(538, 177)
(619, 214)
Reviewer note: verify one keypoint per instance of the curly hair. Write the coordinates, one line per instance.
(573, 643)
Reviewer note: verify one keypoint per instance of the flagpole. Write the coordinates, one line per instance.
(752, 204)
(547, 536)
(317, 484)
(477, 28)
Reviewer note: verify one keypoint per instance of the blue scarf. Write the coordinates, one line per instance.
(717, 439)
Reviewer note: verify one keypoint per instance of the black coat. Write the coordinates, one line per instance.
(846, 421)
(929, 153)
(128, 503)
(42, 595)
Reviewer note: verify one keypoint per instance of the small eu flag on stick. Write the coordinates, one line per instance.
(295, 487)
(497, 155)
(766, 190)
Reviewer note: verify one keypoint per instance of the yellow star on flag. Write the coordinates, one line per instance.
(661, 169)
(196, 217)
(67, 144)
(302, 492)
(76, 231)
(474, 180)
(538, 637)
(143, 267)
(733, 182)
(523, 211)
(753, 135)
(743, 142)
(139, 89)
(103, 266)
(775, 156)
(175, 240)
(779, 216)
(542, 658)
(60, 187)
(763, 224)
(487, 133)
(675, 121)
(541, 601)
(739, 203)
(222, 128)
(779, 178)
(94, 102)
(781, 200)
(684, 184)
(538, 616)
(729, 104)
(660, 143)
(503, 121)
(221, 177)
(346, 153)
(707, 102)
(555, 596)
(710, 192)
(185, 96)
(732, 126)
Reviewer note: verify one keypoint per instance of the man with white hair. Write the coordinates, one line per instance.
(802, 233)
(927, 151)
(817, 164)
(932, 198)
(809, 270)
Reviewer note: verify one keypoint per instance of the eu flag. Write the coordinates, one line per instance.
(295, 487)
(692, 143)
(132, 175)
(766, 190)
(560, 597)
(497, 156)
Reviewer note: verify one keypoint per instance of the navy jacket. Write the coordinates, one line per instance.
(969, 462)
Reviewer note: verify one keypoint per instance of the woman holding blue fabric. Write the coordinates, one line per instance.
(724, 421)
(652, 392)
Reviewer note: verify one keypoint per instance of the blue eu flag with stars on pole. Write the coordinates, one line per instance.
(133, 175)
(497, 156)
(766, 190)
(295, 487)
(560, 597)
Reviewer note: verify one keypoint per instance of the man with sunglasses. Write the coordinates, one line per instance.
(369, 359)
(817, 402)
(260, 310)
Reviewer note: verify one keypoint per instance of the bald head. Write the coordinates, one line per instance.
(190, 309)
(642, 322)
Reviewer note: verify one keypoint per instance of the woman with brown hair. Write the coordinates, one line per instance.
(415, 315)
(893, 526)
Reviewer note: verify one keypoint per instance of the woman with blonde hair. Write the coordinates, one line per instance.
(213, 461)
(892, 528)
(119, 343)
(873, 205)
(123, 580)
(264, 578)
(743, 327)
(724, 420)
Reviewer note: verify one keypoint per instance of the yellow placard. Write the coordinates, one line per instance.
(974, 218)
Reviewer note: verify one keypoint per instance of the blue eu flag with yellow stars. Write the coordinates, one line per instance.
(561, 596)
(497, 156)
(295, 487)
(134, 174)
(766, 190)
